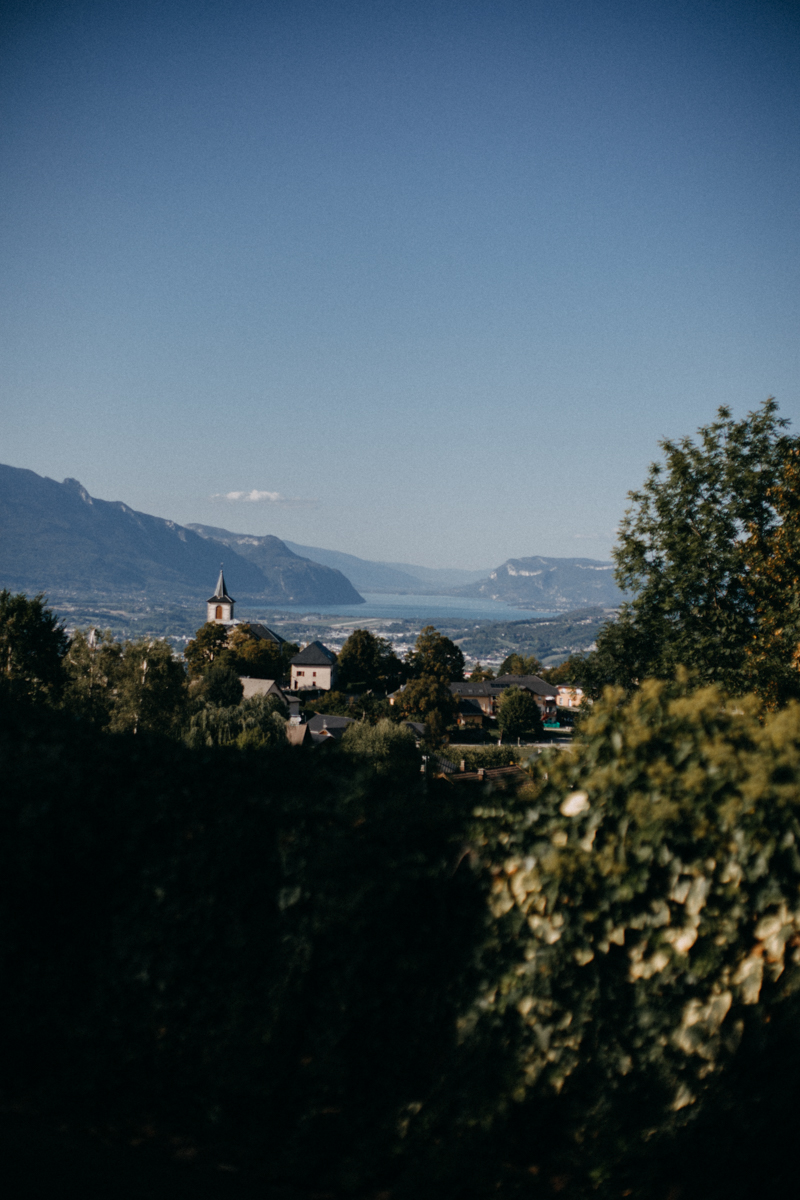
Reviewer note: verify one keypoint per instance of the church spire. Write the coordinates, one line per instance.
(220, 605)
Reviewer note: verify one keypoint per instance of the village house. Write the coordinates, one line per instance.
(477, 701)
(261, 687)
(570, 695)
(313, 667)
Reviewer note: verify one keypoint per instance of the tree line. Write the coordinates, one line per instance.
(140, 685)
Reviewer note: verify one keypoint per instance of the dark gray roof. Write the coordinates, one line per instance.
(314, 655)
(221, 592)
(419, 728)
(484, 687)
(532, 682)
(334, 725)
(470, 708)
(265, 634)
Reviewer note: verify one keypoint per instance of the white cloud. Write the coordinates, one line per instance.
(254, 496)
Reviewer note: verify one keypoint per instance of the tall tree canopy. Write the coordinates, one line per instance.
(709, 552)
(32, 646)
(434, 654)
(429, 699)
(518, 714)
(369, 661)
(519, 664)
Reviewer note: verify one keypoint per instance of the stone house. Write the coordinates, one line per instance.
(313, 667)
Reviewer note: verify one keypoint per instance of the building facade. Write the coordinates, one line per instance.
(313, 667)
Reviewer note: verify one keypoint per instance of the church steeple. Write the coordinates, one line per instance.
(220, 605)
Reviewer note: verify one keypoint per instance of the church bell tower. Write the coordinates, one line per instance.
(220, 605)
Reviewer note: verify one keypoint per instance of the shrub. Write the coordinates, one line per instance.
(648, 924)
(388, 747)
(475, 757)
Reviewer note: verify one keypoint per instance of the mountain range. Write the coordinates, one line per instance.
(56, 538)
(550, 583)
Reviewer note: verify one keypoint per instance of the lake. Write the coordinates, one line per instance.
(389, 607)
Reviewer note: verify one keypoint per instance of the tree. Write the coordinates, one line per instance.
(257, 657)
(150, 688)
(90, 667)
(221, 685)
(517, 664)
(646, 910)
(696, 550)
(434, 654)
(571, 670)
(478, 674)
(370, 662)
(428, 699)
(774, 559)
(251, 724)
(209, 645)
(518, 714)
(32, 647)
(386, 746)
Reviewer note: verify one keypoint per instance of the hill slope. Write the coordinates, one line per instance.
(555, 583)
(56, 538)
(291, 579)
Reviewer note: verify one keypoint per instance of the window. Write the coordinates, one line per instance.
(218, 614)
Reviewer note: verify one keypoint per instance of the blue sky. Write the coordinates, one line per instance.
(435, 278)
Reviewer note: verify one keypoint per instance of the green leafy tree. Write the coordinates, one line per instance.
(436, 655)
(33, 645)
(257, 657)
(370, 662)
(518, 664)
(388, 747)
(149, 689)
(252, 724)
(429, 699)
(571, 670)
(773, 561)
(91, 667)
(646, 904)
(478, 674)
(221, 685)
(518, 714)
(288, 651)
(690, 551)
(209, 645)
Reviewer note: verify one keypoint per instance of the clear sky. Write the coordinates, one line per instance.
(432, 277)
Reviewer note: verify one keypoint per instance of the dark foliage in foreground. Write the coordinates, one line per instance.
(356, 985)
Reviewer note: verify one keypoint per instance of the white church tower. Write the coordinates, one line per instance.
(220, 605)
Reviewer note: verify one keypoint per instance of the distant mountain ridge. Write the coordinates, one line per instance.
(556, 583)
(292, 578)
(393, 577)
(56, 538)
